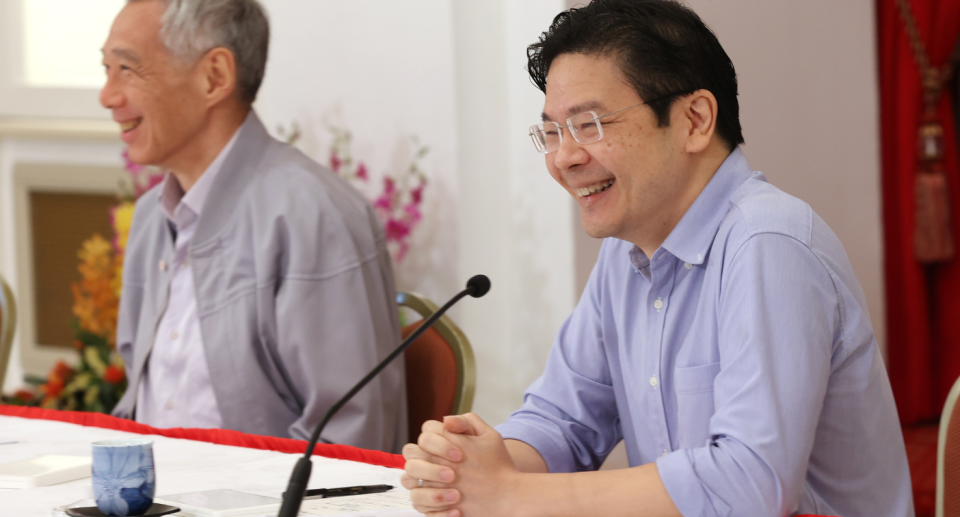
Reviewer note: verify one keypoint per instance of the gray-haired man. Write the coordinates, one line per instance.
(257, 287)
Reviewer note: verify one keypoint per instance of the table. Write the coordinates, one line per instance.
(183, 465)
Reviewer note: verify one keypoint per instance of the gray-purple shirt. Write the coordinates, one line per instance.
(175, 389)
(740, 358)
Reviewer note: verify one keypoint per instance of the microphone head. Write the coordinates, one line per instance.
(478, 286)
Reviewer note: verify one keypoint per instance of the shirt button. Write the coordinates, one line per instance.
(658, 304)
(174, 335)
(163, 265)
(687, 265)
(653, 381)
(665, 452)
(169, 404)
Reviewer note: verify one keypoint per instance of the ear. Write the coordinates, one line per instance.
(218, 73)
(698, 119)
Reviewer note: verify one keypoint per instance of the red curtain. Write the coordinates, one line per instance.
(923, 302)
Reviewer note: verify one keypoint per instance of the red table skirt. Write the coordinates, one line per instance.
(218, 436)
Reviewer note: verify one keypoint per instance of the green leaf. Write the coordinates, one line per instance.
(92, 355)
(82, 380)
(34, 380)
(91, 396)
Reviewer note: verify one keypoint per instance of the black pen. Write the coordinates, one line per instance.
(321, 493)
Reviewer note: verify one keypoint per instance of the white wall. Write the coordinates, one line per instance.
(516, 223)
(384, 70)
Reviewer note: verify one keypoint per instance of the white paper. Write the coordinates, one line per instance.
(221, 503)
(396, 502)
(43, 470)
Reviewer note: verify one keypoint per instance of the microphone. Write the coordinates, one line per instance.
(477, 286)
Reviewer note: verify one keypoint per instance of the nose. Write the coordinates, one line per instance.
(110, 95)
(570, 153)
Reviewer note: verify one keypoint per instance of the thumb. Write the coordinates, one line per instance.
(459, 424)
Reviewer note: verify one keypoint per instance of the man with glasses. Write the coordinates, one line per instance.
(722, 336)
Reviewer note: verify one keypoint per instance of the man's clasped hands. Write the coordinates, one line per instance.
(462, 466)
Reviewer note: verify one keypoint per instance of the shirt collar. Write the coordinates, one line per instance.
(172, 196)
(691, 239)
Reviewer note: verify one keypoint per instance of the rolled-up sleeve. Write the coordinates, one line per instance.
(779, 315)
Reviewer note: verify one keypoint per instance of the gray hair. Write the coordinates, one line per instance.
(193, 27)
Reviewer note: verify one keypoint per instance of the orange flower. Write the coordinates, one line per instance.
(52, 388)
(96, 303)
(62, 371)
(114, 374)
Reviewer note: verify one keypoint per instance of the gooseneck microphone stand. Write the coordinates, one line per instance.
(476, 287)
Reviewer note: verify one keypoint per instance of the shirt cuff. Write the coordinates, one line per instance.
(683, 485)
(554, 451)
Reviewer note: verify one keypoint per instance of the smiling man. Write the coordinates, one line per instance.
(722, 336)
(257, 287)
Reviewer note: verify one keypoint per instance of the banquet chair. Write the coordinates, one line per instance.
(440, 370)
(948, 457)
(8, 324)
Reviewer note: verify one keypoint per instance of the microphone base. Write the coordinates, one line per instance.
(296, 488)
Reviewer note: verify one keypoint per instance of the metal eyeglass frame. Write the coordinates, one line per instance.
(537, 130)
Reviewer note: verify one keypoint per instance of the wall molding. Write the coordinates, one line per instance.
(59, 129)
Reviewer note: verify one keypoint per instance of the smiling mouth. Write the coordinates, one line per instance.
(595, 188)
(130, 125)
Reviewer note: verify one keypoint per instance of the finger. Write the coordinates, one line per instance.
(427, 471)
(434, 499)
(458, 424)
(437, 445)
(411, 483)
(415, 452)
(408, 482)
(478, 424)
(432, 426)
(412, 451)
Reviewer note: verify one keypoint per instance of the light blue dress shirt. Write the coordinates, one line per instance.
(740, 358)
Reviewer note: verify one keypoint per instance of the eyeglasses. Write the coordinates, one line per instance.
(585, 127)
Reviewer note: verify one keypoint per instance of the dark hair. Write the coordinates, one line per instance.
(663, 49)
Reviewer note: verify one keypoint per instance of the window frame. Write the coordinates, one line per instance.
(18, 100)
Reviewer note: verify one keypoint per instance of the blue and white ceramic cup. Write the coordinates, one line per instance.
(124, 480)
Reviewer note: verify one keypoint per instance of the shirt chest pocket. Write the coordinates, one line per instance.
(694, 389)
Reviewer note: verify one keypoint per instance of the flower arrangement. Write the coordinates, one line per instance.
(98, 380)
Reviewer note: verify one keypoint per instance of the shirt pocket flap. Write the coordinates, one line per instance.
(693, 379)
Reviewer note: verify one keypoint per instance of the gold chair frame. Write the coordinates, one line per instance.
(457, 340)
(8, 326)
(948, 408)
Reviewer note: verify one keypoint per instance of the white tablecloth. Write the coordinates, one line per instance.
(182, 466)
